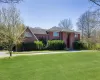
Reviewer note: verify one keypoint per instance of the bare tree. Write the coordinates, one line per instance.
(97, 2)
(66, 23)
(10, 1)
(80, 25)
(10, 28)
(87, 23)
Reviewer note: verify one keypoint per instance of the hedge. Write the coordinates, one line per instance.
(28, 46)
(36, 45)
(78, 45)
(56, 45)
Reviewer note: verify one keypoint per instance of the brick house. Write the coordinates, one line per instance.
(68, 36)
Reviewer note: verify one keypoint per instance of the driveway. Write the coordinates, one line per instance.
(4, 54)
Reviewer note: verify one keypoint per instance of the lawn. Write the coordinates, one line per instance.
(70, 66)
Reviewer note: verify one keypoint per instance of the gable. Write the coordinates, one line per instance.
(27, 34)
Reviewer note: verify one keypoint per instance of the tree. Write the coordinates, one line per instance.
(10, 1)
(97, 2)
(10, 28)
(87, 23)
(66, 23)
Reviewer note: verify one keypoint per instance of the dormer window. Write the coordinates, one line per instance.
(56, 34)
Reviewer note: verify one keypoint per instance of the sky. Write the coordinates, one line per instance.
(48, 13)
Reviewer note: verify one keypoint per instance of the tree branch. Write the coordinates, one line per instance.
(95, 2)
(10, 1)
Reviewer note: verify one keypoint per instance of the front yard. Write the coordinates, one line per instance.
(72, 66)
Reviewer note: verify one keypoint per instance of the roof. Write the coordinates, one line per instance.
(58, 29)
(53, 29)
(38, 30)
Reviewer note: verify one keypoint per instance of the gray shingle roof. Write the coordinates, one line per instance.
(58, 29)
(38, 31)
(53, 29)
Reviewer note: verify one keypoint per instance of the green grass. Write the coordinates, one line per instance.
(71, 66)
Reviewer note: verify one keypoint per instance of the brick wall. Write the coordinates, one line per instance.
(50, 34)
(72, 39)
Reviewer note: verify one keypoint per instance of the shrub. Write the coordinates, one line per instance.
(56, 45)
(28, 46)
(1, 48)
(19, 47)
(78, 45)
(44, 41)
(38, 45)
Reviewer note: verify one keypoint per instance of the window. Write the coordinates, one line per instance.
(27, 34)
(76, 35)
(55, 34)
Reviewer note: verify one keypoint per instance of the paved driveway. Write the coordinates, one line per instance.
(4, 54)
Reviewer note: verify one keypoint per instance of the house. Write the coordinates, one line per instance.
(68, 36)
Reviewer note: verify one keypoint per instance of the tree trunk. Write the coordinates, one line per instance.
(10, 53)
(10, 50)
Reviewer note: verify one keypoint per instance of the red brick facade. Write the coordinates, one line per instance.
(68, 38)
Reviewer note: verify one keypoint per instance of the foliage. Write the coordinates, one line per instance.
(28, 46)
(11, 28)
(56, 45)
(43, 40)
(38, 45)
(98, 46)
(1, 47)
(78, 45)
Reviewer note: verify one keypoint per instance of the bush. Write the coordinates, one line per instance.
(78, 45)
(56, 45)
(28, 46)
(98, 46)
(1, 47)
(44, 41)
(38, 45)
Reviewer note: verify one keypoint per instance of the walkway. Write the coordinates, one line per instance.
(4, 54)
